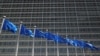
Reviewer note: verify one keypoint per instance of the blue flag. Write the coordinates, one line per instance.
(7, 25)
(25, 31)
(49, 36)
(69, 41)
(39, 34)
(76, 43)
(72, 42)
(62, 40)
(89, 45)
(83, 44)
(56, 38)
(59, 39)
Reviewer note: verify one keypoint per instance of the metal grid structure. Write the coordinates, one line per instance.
(78, 19)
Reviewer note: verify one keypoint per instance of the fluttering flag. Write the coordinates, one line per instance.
(69, 41)
(59, 39)
(39, 34)
(55, 38)
(76, 43)
(25, 31)
(83, 44)
(9, 26)
(62, 40)
(49, 36)
(89, 45)
(72, 42)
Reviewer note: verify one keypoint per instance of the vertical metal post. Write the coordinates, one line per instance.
(33, 41)
(46, 45)
(57, 47)
(16, 54)
(67, 48)
(2, 23)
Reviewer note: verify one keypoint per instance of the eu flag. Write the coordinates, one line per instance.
(69, 41)
(39, 34)
(83, 44)
(73, 42)
(55, 38)
(49, 36)
(89, 45)
(25, 31)
(79, 43)
(59, 39)
(62, 40)
(7, 25)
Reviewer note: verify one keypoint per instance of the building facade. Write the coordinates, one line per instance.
(75, 19)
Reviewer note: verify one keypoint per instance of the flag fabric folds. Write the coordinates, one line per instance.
(39, 34)
(25, 31)
(75, 43)
(70, 42)
(7, 25)
(59, 39)
(55, 38)
(49, 36)
(89, 45)
(83, 44)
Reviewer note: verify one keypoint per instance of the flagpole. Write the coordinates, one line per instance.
(57, 47)
(46, 48)
(2, 23)
(89, 50)
(75, 49)
(83, 50)
(67, 48)
(33, 42)
(16, 54)
(46, 45)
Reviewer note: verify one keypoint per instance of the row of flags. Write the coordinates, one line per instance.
(9, 26)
